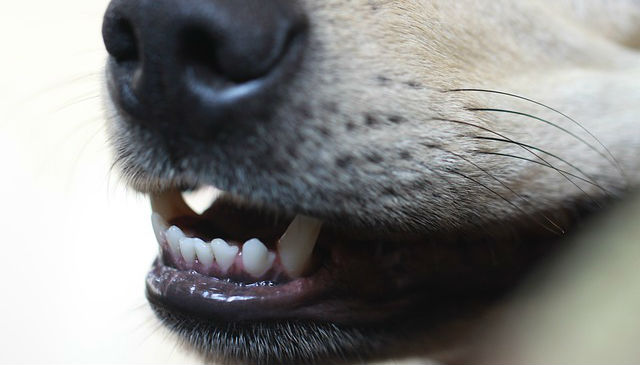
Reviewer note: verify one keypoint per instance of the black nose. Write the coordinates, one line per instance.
(204, 63)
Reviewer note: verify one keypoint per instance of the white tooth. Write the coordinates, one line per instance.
(256, 258)
(174, 235)
(204, 253)
(170, 204)
(225, 254)
(159, 226)
(296, 244)
(188, 249)
(201, 199)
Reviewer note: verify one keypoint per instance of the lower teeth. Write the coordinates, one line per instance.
(254, 259)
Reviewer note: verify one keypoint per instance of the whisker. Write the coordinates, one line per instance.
(546, 122)
(441, 176)
(541, 164)
(143, 305)
(608, 151)
(151, 333)
(500, 196)
(68, 82)
(148, 319)
(561, 230)
(526, 149)
(548, 154)
(76, 161)
(75, 102)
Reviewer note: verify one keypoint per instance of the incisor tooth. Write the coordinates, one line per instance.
(256, 258)
(225, 254)
(170, 205)
(201, 199)
(296, 244)
(204, 253)
(188, 249)
(174, 235)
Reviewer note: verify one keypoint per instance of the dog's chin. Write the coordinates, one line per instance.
(243, 282)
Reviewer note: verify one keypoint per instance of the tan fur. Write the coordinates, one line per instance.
(371, 127)
(530, 48)
(380, 60)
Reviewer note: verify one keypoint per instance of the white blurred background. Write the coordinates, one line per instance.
(76, 243)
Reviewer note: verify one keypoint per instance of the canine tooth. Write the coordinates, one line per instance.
(296, 244)
(256, 258)
(174, 235)
(225, 254)
(170, 204)
(159, 226)
(204, 253)
(188, 249)
(201, 199)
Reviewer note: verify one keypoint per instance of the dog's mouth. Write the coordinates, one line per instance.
(223, 259)
(229, 261)
(235, 275)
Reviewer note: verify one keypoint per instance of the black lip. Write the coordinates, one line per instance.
(349, 282)
(374, 289)
(359, 283)
(380, 292)
(210, 298)
(238, 325)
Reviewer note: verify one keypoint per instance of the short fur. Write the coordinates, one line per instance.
(431, 115)
(369, 128)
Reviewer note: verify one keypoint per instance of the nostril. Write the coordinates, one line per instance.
(120, 39)
(215, 59)
(224, 52)
(199, 52)
(201, 63)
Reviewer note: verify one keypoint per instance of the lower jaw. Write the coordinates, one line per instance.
(366, 298)
(215, 299)
(274, 341)
(422, 280)
(325, 329)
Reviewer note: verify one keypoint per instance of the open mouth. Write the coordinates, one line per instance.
(232, 274)
(225, 260)
(230, 262)
(243, 282)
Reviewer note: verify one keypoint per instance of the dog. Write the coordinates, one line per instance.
(381, 170)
